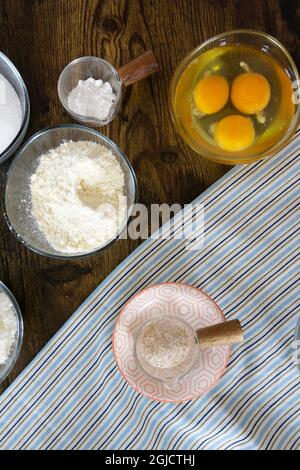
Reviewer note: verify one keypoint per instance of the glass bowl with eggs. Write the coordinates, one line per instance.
(233, 99)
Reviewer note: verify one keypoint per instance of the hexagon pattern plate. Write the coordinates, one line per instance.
(194, 306)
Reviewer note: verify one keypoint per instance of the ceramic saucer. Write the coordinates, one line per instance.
(195, 307)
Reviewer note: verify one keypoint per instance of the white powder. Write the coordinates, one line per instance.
(77, 196)
(8, 327)
(92, 98)
(164, 343)
(10, 113)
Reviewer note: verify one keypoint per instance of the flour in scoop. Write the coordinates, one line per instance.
(10, 113)
(8, 327)
(77, 195)
(92, 98)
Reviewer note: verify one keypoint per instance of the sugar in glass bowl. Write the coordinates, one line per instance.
(6, 368)
(9, 71)
(209, 53)
(17, 198)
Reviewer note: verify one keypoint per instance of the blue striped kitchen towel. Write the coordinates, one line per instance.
(72, 396)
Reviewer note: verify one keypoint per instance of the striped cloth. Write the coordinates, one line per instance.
(72, 395)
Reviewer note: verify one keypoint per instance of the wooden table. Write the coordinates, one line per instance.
(41, 37)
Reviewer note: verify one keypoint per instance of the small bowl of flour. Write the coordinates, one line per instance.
(70, 192)
(90, 90)
(14, 108)
(11, 331)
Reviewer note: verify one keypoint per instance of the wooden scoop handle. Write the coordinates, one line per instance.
(229, 332)
(139, 68)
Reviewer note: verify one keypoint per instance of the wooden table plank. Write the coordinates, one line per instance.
(41, 37)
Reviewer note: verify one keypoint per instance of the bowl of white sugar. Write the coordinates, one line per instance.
(70, 192)
(14, 108)
(11, 331)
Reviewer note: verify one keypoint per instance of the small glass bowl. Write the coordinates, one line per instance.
(170, 376)
(82, 69)
(268, 45)
(17, 199)
(5, 369)
(9, 71)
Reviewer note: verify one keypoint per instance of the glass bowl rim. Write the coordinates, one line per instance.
(19, 155)
(79, 117)
(224, 159)
(5, 154)
(19, 340)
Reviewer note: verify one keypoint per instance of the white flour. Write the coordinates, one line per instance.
(10, 113)
(8, 327)
(92, 98)
(76, 196)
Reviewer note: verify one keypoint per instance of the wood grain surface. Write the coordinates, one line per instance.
(41, 37)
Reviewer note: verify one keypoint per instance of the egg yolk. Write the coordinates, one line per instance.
(234, 133)
(211, 94)
(250, 92)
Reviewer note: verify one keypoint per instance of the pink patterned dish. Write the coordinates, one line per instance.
(195, 307)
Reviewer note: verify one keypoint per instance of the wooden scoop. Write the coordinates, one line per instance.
(139, 68)
(229, 332)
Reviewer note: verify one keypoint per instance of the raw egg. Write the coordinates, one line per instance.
(234, 133)
(250, 92)
(211, 94)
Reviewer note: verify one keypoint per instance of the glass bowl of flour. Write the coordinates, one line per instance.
(70, 192)
(11, 331)
(14, 108)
